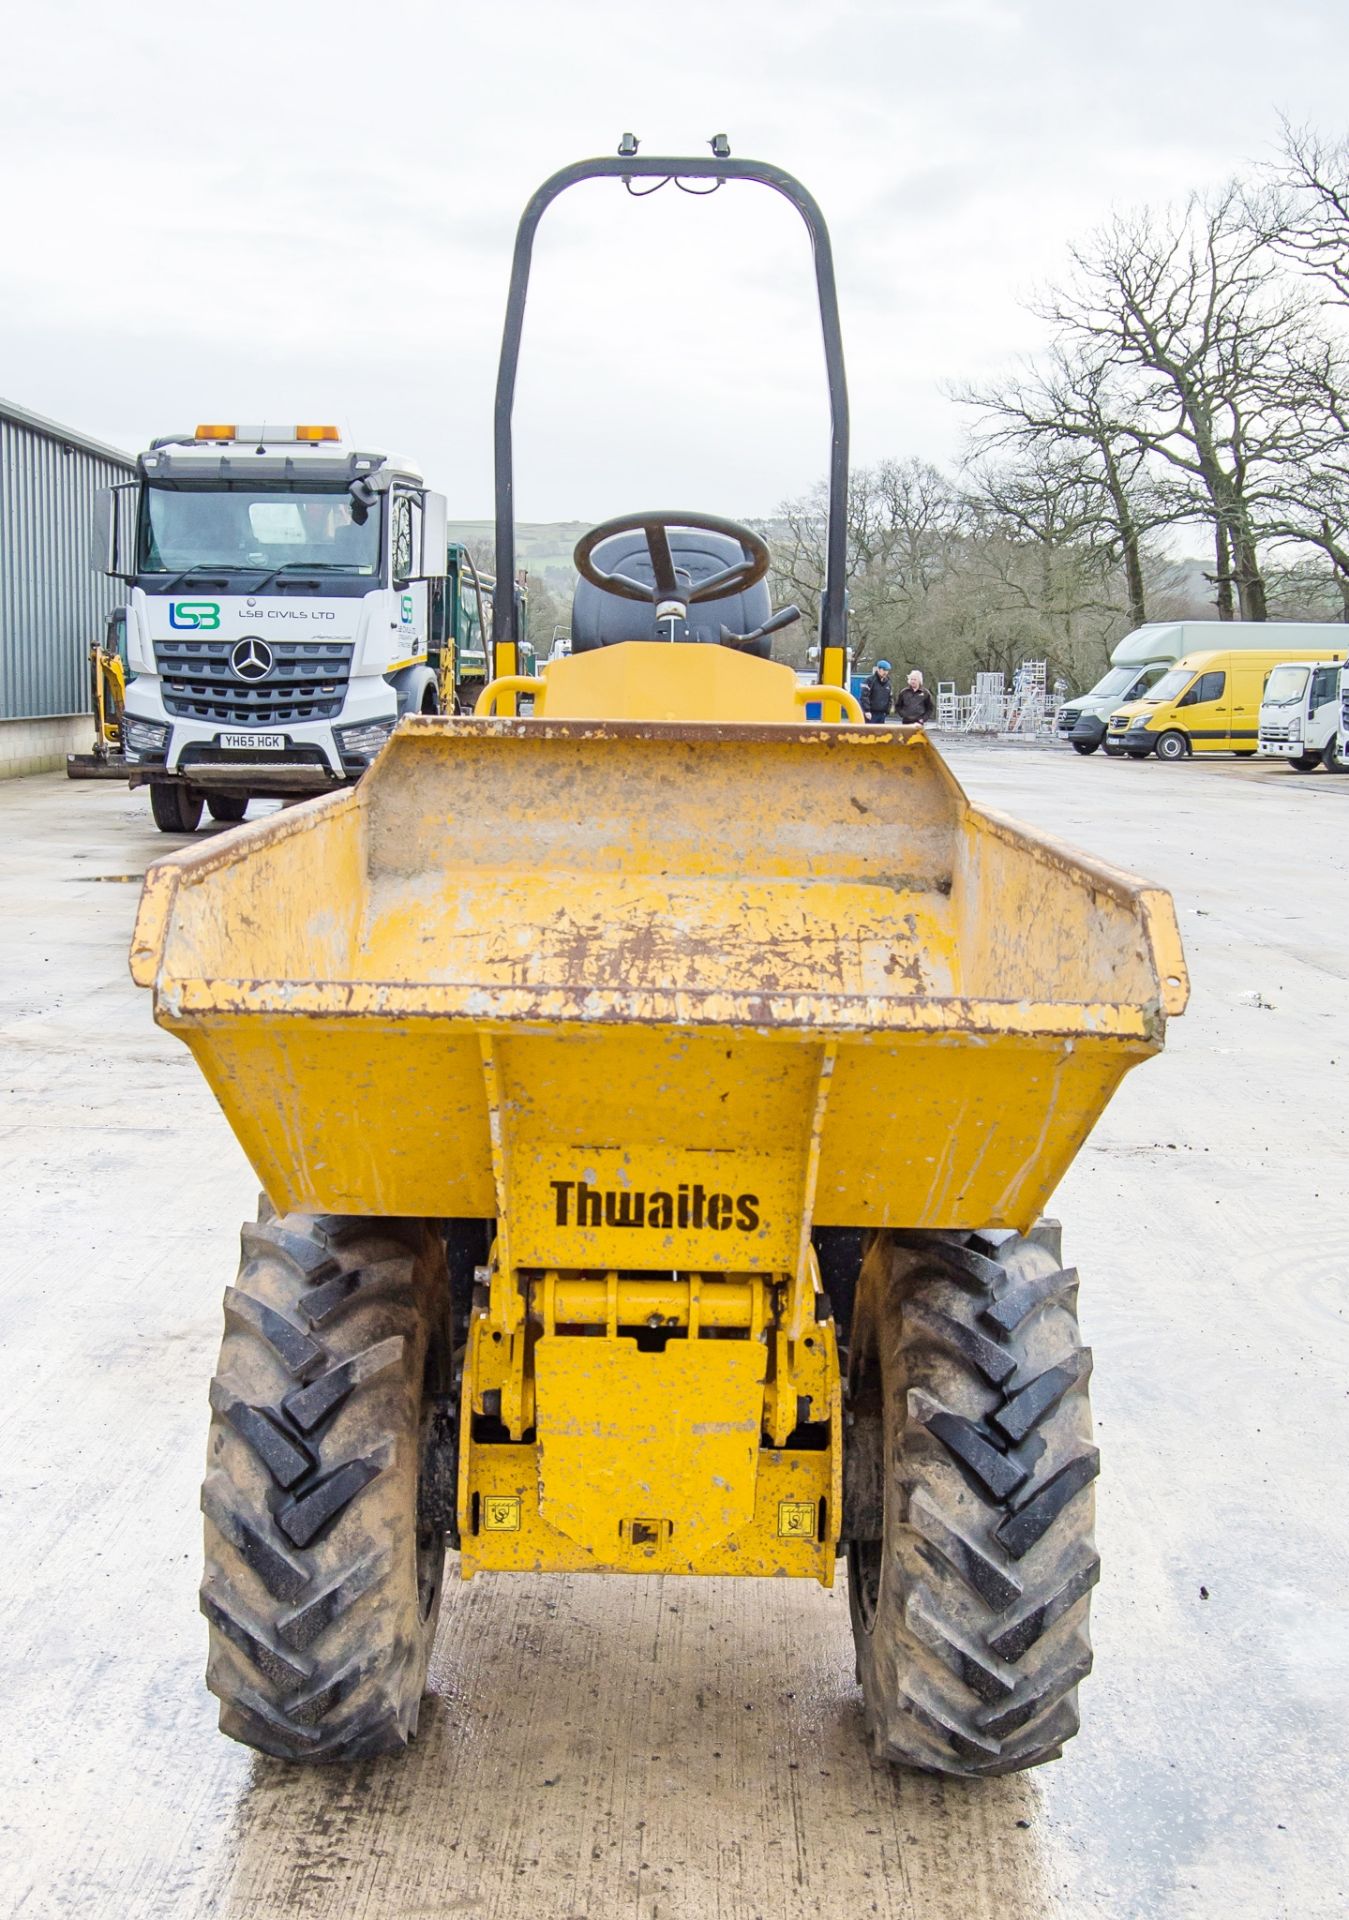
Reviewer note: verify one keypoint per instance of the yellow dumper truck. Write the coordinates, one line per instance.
(655, 1100)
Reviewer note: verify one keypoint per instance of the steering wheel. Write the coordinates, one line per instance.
(752, 567)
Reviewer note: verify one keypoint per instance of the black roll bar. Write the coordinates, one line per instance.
(833, 620)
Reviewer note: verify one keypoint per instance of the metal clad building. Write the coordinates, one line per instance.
(52, 603)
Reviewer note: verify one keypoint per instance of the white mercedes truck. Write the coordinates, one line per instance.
(289, 600)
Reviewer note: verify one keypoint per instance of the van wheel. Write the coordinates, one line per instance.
(176, 809)
(1330, 758)
(227, 807)
(1085, 746)
(1172, 746)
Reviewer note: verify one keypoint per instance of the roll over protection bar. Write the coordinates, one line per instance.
(717, 167)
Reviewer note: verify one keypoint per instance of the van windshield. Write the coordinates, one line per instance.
(1169, 687)
(1286, 686)
(1116, 682)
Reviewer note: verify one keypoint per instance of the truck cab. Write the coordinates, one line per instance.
(286, 608)
(1300, 715)
(467, 622)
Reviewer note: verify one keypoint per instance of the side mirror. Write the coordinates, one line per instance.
(109, 510)
(435, 535)
(105, 530)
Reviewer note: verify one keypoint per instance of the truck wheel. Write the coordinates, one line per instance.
(322, 1582)
(969, 1603)
(1172, 746)
(1085, 746)
(1330, 757)
(229, 807)
(176, 809)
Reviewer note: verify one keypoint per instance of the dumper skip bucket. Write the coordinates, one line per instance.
(602, 979)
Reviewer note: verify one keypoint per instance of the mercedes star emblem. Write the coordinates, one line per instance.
(251, 659)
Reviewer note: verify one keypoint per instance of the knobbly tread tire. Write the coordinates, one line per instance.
(320, 1592)
(970, 1614)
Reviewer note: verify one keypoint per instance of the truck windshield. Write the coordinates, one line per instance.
(239, 530)
(1116, 682)
(1286, 686)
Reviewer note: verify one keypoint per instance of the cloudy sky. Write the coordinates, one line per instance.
(283, 210)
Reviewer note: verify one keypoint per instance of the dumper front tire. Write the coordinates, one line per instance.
(322, 1584)
(969, 1604)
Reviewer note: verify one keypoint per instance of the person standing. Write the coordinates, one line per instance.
(879, 694)
(914, 705)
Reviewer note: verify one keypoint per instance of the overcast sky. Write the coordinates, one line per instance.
(272, 209)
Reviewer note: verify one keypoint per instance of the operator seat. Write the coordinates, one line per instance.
(602, 620)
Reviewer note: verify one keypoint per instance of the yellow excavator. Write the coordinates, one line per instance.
(656, 1099)
(107, 698)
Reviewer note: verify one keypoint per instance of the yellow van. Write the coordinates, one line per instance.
(1206, 703)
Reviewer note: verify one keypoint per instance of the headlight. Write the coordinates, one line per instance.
(144, 736)
(1295, 728)
(365, 741)
(1139, 721)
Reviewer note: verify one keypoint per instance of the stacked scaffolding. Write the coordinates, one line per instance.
(1024, 711)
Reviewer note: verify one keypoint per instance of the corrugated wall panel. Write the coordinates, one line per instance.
(52, 603)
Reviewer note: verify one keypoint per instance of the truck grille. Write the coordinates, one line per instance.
(1068, 718)
(306, 682)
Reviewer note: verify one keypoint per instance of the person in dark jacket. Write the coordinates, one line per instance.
(879, 695)
(914, 705)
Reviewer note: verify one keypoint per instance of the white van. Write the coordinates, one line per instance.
(1143, 656)
(1300, 715)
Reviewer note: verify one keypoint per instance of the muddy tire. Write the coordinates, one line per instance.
(322, 1584)
(969, 1602)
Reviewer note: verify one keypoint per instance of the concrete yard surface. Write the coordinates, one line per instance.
(678, 1750)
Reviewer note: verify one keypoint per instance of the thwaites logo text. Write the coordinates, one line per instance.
(578, 1204)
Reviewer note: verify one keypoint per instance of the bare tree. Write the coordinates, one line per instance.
(1310, 504)
(905, 519)
(1071, 402)
(1214, 352)
(1044, 583)
(1302, 206)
